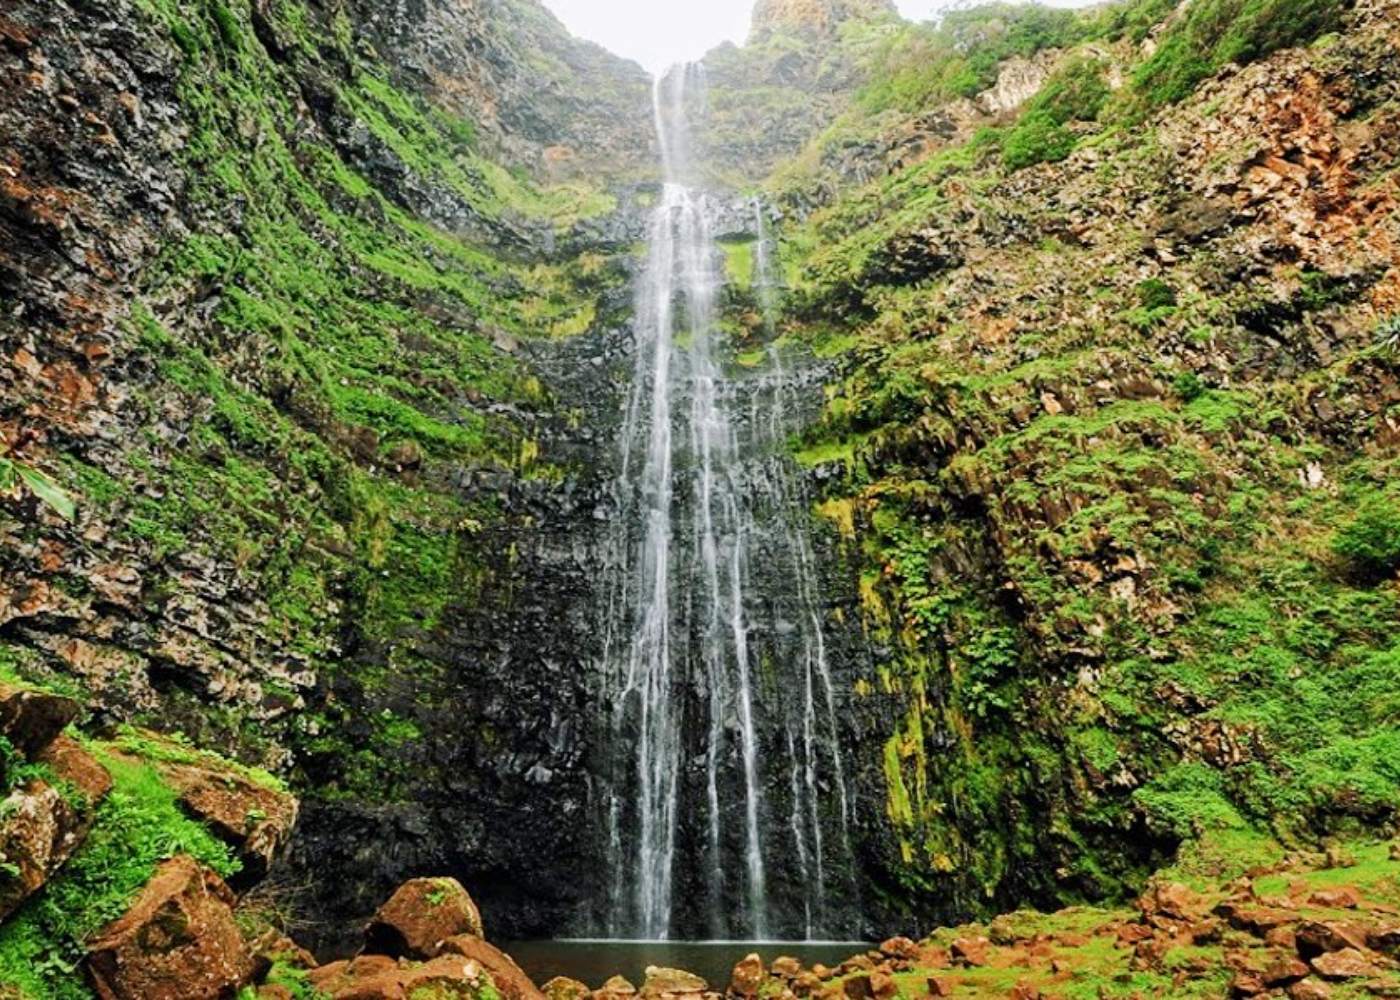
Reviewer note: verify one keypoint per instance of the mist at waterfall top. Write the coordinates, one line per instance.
(661, 33)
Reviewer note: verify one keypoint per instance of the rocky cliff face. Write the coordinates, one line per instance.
(267, 270)
(320, 311)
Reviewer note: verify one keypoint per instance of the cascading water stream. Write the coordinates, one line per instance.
(692, 796)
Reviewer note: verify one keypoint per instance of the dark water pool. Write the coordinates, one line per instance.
(593, 962)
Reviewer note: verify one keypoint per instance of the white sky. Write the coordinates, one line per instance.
(658, 33)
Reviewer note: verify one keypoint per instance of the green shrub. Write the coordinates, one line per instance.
(1076, 92)
(1038, 138)
(1216, 32)
(1155, 293)
(1370, 543)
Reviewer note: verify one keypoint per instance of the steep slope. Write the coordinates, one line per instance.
(1116, 440)
(267, 269)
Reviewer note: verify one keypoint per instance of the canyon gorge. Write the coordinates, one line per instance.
(880, 478)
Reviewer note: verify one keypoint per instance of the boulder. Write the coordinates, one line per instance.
(254, 819)
(31, 720)
(1285, 969)
(786, 967)
(1310, 989)
(972, 951)
(511, 981)
(858, 988)
(1385, 939)
(361, 973)
(883, 987)
(748, 977)
(42, 826)
(447, 977)
(616, 988)
(1342, 898)
(1315, 937)
(377, 977)
(563, 988)
(1171, 901)
(1346, 964)
(420, 916)
(662, 982)
(900, 947)
(178, 941)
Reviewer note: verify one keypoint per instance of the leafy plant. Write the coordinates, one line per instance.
(18, 477)
(1370, 543)
(1388, 335)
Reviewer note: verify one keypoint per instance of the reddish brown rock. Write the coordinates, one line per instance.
(934, 957)
(178, 941)
(1315, 937)
(1344, 898)
(786, 967)
(1247, 984)
(882, 986)
(748, 977)
(31, 720)
(1171, 902)
(1346, 964)
(900, 947)
(420, 917)
(253, 818)
(1285, 969)
(369, 977)
(806, 984)
(1254, 919)
(1132, 934)
(822, 972)
(939, 987)
(1310, 989)
(1385, 939)
(274, 992)
(662, 982)
(857, 988)
(616, 988)
(510, 979)
(447, 977)
(971, 951)
(42, 827)
(563, 988)
(1025, 991)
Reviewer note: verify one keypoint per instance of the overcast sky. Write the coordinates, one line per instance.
(658, 33)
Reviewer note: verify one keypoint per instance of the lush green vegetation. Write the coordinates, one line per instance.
(1144, 609)
(138, 826)
(1215, 32)
(1077, 91)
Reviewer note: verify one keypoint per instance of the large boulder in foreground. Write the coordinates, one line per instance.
(31, 720)
(178, 941)
(250, 815)
(511, 981)
(41, 827)
(662, 982)
(377, 977)
(420, 917)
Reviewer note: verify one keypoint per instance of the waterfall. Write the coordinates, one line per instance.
(711, 773)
